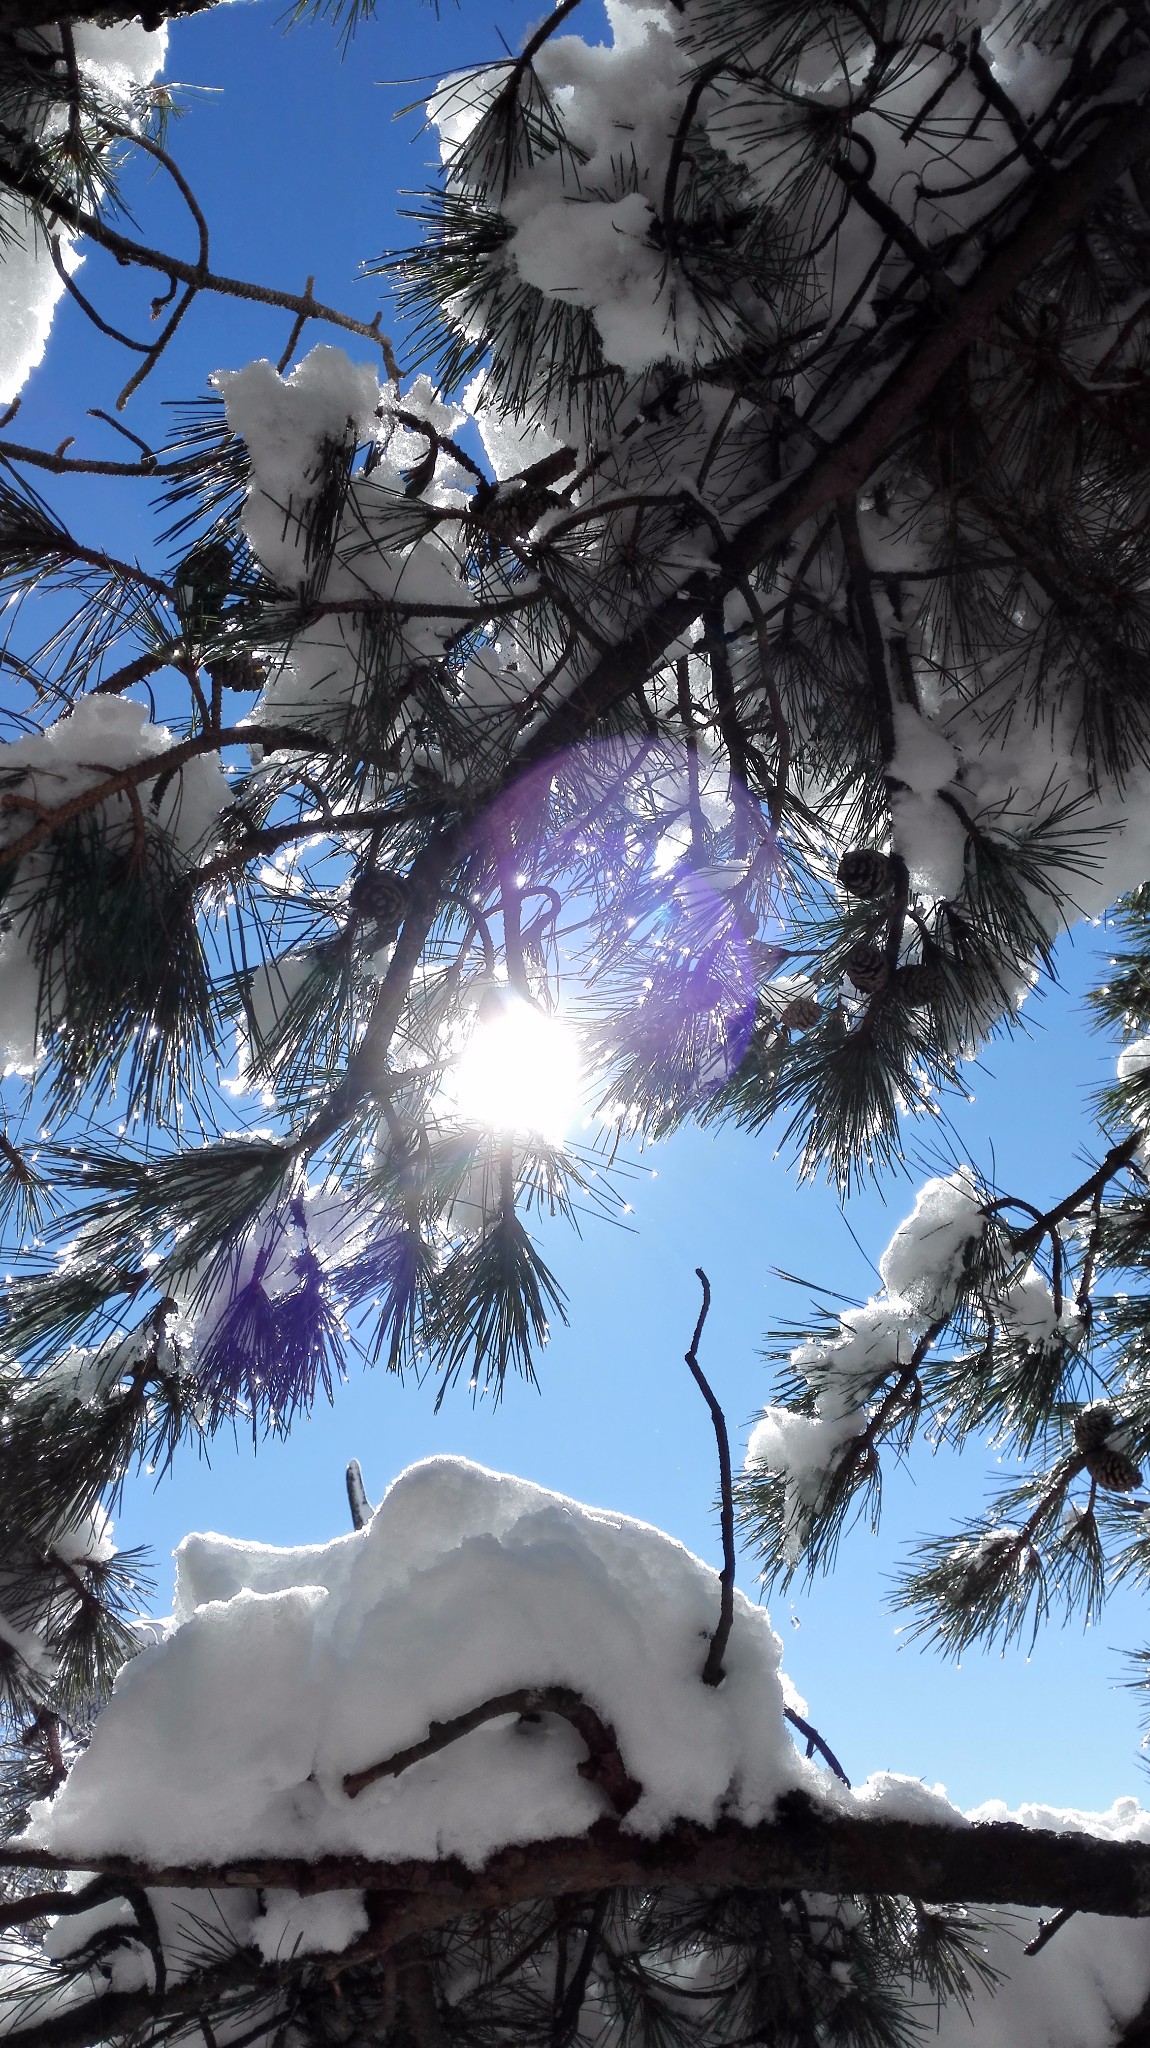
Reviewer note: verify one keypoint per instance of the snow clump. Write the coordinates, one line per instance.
(286, 1670)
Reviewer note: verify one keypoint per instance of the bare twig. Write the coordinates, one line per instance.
(815, 1741)
(712, 1673)
(1047, 1929)
(75, 465)
(298, 326)
(357, 1500)
(32, 185)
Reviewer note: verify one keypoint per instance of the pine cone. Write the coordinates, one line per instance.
(918, 984)
(1098, 1433)
(1093, 1425)
(241, 671)
(802, 1014)
(382, 897)
(1114, 1470)
(867, 969)
(866, 872)
(507, 512)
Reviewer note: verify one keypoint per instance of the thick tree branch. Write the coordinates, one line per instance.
(117, 2015)
(807, 1847)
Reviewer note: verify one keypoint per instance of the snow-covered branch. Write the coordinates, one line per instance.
(809, 1846)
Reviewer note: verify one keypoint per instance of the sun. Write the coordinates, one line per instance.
(519, 1071)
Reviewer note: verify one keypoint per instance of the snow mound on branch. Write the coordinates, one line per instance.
(287, 423)
(922, 1271)
(287, 1669)
(804, 1450)
(923, 1261)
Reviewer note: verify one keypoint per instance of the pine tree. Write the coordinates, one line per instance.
(738, 619)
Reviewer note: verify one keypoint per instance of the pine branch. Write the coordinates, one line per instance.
(1063, 202)
(154, 768)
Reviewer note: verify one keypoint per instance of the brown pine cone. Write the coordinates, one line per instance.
(867, 969)
(1093, 1425)
(801, 1014)
(243, 671)
(1098, 1434)
(917, 984)
(1114, 1470)
(866, 872)
(381, 897)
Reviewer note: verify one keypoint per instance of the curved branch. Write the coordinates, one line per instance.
(603, 1765)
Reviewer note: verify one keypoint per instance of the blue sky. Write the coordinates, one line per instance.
(297, 158)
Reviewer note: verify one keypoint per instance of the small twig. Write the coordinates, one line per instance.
(1047, 1929)
(297, 329)
(815, 1741)
(603, 1765)
(86, 306)
(96, 412)
(157, 348)
(678, 149)
(43, 458)
(28, 182)
(357, 1500)
(712, 1673)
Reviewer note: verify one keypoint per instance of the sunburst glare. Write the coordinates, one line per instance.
(519, 1071)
